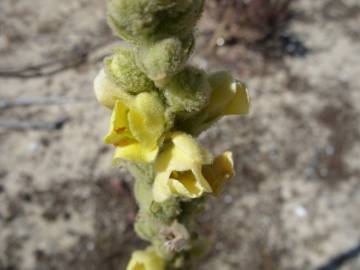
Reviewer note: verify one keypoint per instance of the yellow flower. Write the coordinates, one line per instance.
(146, 260)
(136, 128)
(228, 97)
(187, 170)
(220, 171)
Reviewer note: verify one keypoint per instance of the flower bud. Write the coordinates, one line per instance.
(136, 128)
(144, 22)
(187, 92)
(123, 71)
(229, 96)
(146, 260)
(165, 58)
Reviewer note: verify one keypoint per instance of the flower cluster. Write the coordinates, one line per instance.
(143, 129)
(159, 105)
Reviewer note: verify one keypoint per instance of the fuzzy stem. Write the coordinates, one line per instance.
(158, 101)
(167, 225)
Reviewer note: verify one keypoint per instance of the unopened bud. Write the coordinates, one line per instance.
(144, 22)
(165, 58)
(123, 71)
(187, 92)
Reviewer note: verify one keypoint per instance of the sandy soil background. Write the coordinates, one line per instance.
(295, 201)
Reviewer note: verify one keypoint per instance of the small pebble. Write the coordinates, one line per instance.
(219, 246)
(220, 41)
(33, 147)
(228, 199)
(330, 150)
(323, 172)
(300, 211)
(90, 246)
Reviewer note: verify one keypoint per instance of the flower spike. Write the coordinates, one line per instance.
(159, 105)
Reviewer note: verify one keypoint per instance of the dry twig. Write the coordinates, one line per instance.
(41, 101)
(76, 59)
(21, 125)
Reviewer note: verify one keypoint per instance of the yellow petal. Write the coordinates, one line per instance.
(135, 152)
(147, 119)
(188, 150)
(228, 97)
(240, 104)
(146, 260)
(219, 172)
(188, 184)
(136, 128)
(119, 133)
(182, 154)
(221, 94)
(161, 189)
(178, 169)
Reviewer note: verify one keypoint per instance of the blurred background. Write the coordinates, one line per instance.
(295, 201)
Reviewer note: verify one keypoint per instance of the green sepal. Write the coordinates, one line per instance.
(121, 68)
(229, 97)
(146, 226)
(187, 92)
(166, 211)
(165, 58)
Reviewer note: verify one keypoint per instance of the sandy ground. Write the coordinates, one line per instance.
(294, 203)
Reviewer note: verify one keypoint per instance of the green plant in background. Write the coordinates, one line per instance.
(159, 105)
